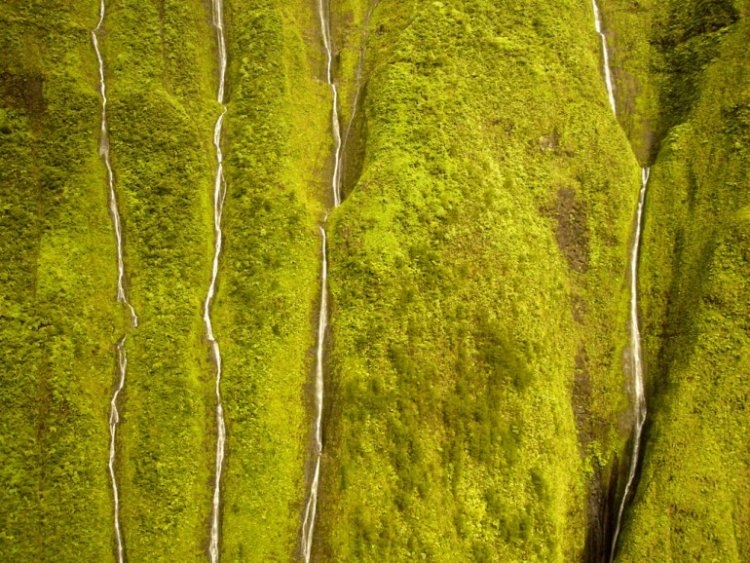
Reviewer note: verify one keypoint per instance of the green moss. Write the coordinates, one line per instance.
(277, 144)
(692, 501)
(476, 392)
(628, 27)
(451, 371)
(160, 69)
(59, 317)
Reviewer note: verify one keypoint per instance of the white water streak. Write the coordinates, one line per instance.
(308, 523)
(639, 406)
(325, 27)
(605, 57)
(122, 296)
(219, 196)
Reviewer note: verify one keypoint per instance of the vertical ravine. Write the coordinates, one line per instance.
(639, 403)
(324, 14)
(219, 194)
(122, 296)
(308, 521)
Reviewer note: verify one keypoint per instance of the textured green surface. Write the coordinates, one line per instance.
(452, 434)
(477, 370)
(693, 500)
(160, 83)
(57, 372)
(278, 145)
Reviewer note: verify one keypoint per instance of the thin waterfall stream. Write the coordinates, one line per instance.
(605, 57)
(122, 296)
(308, 522)
(639, 404)
(325, 29)
(219, 196)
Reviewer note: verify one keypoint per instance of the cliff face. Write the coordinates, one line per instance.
(477, 375)
(58, 319)
(693, 497)
(478, 271)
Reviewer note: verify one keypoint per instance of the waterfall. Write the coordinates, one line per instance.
(122, 296)
(639, 404)
(308, 523)
(219, 196)
(605, 57)
(325, 28)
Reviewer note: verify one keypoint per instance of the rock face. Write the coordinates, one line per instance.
(693, 498)
(477, 377)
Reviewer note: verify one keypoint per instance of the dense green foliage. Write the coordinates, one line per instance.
(693, 500)
(277, 144)
(56, 372)
(160, 68)
(477, 374)
(471, 268)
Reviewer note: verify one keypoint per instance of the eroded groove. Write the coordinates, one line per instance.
(122, 296)
(639, 398)
(219, 196)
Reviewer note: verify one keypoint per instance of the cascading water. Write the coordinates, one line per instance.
(122, 296)
(639, 404)
(219, 195)
(308, 522)
(325, 28)
(605, 57)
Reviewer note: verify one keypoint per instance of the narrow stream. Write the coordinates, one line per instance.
(219, 195)
(325, 29)
(122, 296)
(605, 57)
(308, 522)
(639, 404)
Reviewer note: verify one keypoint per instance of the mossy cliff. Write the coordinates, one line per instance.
(477, 367)
(59, 321)
(478, 272)
(60, 318)
(693, 498)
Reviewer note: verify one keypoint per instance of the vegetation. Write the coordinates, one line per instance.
(492, 159)
(692, 503)
(58, 321)
(278, 142)
(477, 402)
(160, 84)
(628, 27)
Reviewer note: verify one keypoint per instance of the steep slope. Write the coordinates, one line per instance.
(478, 275)
(59, 299)
(57, 282)
(160, 61)
(476, 372)
(694, 496)
(277, 149)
